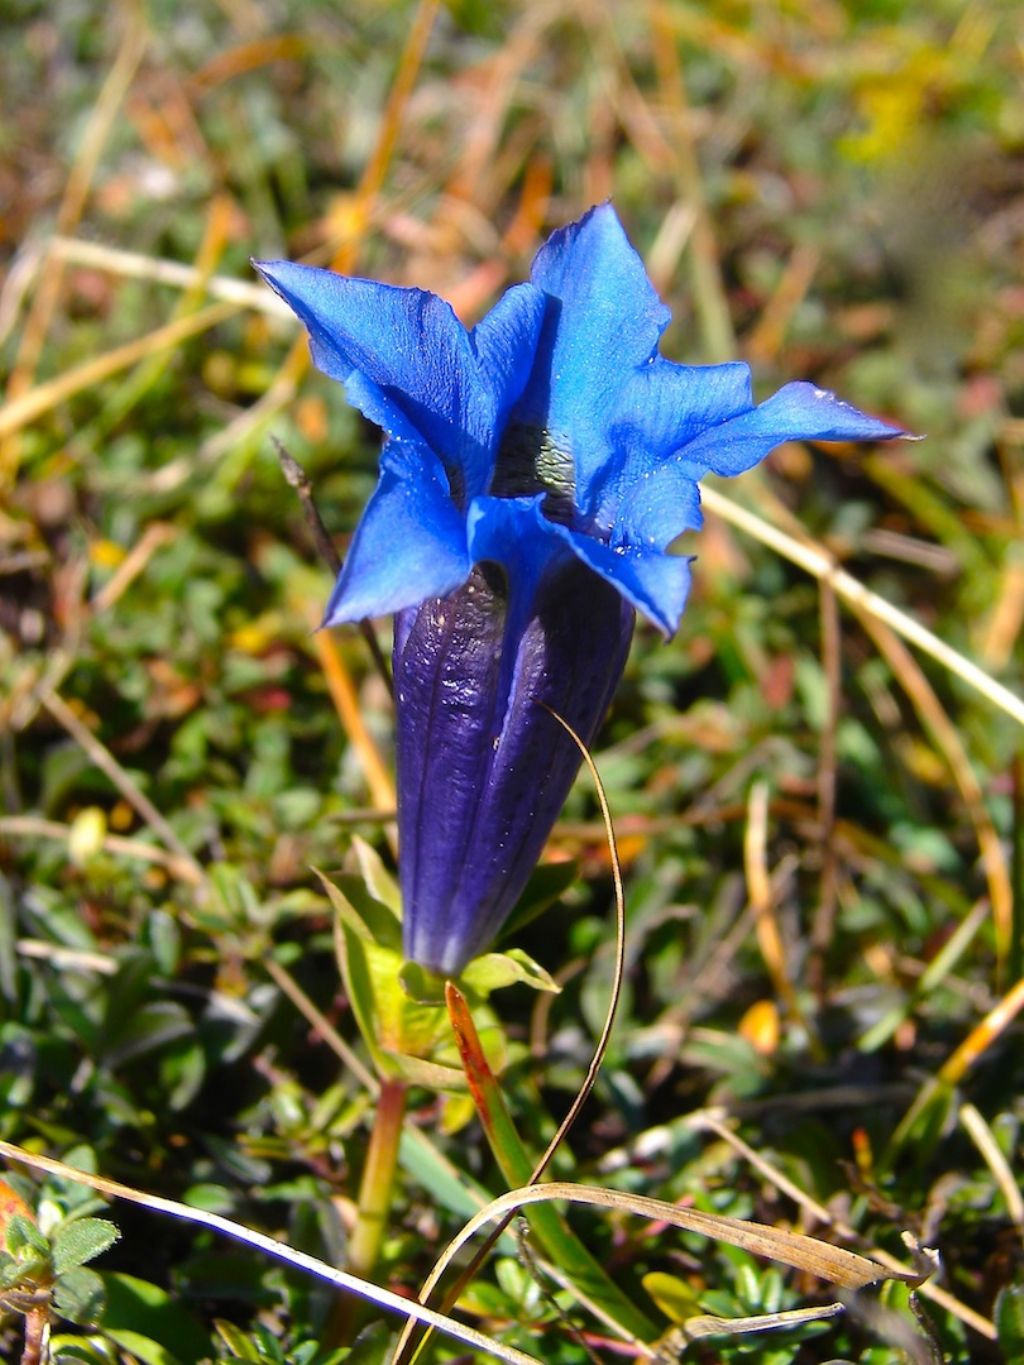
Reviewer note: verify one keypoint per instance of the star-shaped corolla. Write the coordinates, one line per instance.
(560, 391)
(535, 472)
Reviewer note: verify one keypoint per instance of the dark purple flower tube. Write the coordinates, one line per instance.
(483, 767)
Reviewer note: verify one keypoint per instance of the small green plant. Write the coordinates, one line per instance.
(43, 1271)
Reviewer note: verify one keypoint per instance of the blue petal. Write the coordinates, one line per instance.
(505, 342)
(661, 505)
(409, 364)
(604, 317)
(656, 584)
(599, 385)
(514, 532)
(798, 412)
(410, 543)
(662, 408)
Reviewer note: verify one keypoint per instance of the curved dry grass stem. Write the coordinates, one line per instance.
(619, 966)
(713, 1121)
(835, 1264)
(599, 1051)
(269, 1246)
(819, 563)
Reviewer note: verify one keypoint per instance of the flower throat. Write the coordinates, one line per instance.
(530, 461)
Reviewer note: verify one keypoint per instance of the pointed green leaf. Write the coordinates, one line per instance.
(366, 916)
(81, 1240)
(376, 878)
(676, 1299)
(350, 948)
(494, 970)
(237, 1342)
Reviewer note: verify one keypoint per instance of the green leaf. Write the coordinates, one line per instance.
(417, 1071)
(366, 916)
(449, 1186)
(27, 1268)
(372, 1346)
(388, 1019)
(79, 1296)
(81, 1240)
(156, 1024)
(421, 985)
(164, 938)
(65, 1348)
(376, 878)
(238, 1343)
(182, 1072)
(139, 1316)
(23, 1235)
(495, 970)
(143, 1349)
(676, 1299)
(1009, 1320)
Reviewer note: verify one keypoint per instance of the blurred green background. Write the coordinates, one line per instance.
(831, 191)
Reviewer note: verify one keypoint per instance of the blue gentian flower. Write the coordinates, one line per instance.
(535, 472)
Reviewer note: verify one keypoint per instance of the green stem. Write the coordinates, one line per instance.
(378, 1179)
(374, 1205)
(557, 1239)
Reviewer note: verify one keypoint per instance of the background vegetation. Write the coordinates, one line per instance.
(821, 826)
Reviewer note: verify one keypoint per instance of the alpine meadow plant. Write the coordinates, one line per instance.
(535, 472)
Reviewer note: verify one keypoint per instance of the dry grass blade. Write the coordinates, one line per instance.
(346, 701)
(835, 1264)
(831, 662)
(109, 766)
(20, 411)
(134, 265)
(985, 1141)
(269, 1246)
(821, 565)
(982, 1036)
(706, 1325)
(156, 535)
(711, 1120)
(762, 900)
